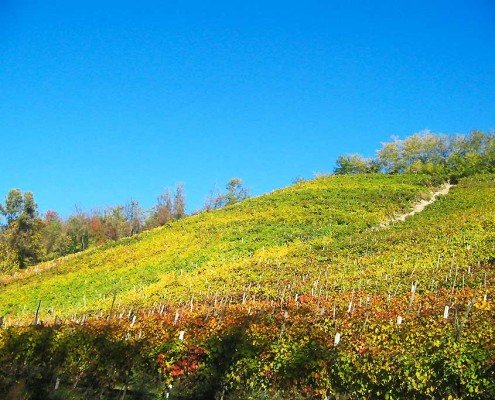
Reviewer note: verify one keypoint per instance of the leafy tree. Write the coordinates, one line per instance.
(425, 152)
(115, 223)
(26, 239)
(355, 164)
(168, 208)
(30, 207)
(22, 241)
(472, 153)
(8, 259)
(389, 157)
(76, 228)
(236, 192)
(54, 240)
(134, 217)
(179, 202)
(13, 206)
(162, 212)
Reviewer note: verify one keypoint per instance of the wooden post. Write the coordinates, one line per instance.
(113, 303)
(36, 315)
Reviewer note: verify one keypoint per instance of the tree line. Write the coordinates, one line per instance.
(28, 238)
(443, 156)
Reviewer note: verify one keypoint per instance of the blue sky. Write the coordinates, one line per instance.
(101, 102)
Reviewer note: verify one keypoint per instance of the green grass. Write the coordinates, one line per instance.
(223, 250)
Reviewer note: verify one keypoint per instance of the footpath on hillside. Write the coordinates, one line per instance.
(418, 207)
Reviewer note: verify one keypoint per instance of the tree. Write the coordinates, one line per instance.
(162, 212)
(22, 240)
(13, 206)
(115, 224)
(30, 208)
(25, 242)
(179, 202)
(428, 153)
(53, 236)
(389, 157)
(471, 154)
(236, 192)
(168, 208)
(134, 217)
(95, 225)
(76, 228)
(8, 259)
(355, 164)
(489, 156)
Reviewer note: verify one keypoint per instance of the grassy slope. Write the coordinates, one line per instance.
(450, 244)
(316, 236)
(220, 250)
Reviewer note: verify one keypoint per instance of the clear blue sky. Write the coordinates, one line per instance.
(102, 101)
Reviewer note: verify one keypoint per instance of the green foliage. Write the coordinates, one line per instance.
(20, 240)
(179, 202)
(12, 208)
(427, 153)
(167, 208)
(356, 164)
(27, 240)
(55, 242)
(236, 192)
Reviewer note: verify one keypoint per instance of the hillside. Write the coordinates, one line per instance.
(222, 249)
(291, 236)
(319, 290)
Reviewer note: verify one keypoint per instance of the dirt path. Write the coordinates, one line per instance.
(418, 207)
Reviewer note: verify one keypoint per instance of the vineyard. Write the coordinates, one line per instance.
(315, 291)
